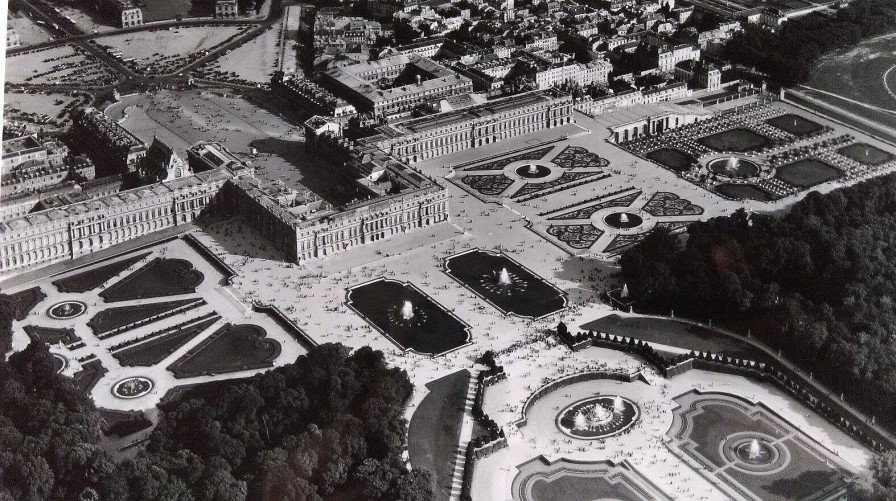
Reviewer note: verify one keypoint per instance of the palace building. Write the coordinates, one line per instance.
(418, 139)
(80, 228)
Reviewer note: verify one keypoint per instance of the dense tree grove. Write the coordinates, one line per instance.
(328, 427)
(7, 314)
(789, 54)
(818, 283)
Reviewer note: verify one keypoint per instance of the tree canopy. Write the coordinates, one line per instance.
(789, 54)
(818, 283)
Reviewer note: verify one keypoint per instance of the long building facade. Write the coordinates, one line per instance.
(68, 232)
(304, 235)
(421, 139)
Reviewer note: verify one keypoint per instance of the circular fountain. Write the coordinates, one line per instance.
(533, 171)
(623, 220)
(598, 417)
(734, 167)
(755, 452)
(132, 387)
(66, 310)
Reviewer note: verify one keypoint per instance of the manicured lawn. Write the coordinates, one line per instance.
(572, 487)
(231, 348)
(159, 278)
(795, 124)
(51, 335)
(673, 333)
(672, 158)
(113, 318)
(865, 154)
(807, 173)
(91, 279)
(155, 350)
(434, 431)
(89, 375)
(25, 301)
(745, 192)
(740, 140)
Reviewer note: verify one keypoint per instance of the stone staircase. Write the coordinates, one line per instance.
(466, 434)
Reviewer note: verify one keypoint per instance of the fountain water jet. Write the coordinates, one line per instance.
(533, 169)
(592, 416)
(618, 405)
(503, 277)
(407, 310)
(753, 452)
